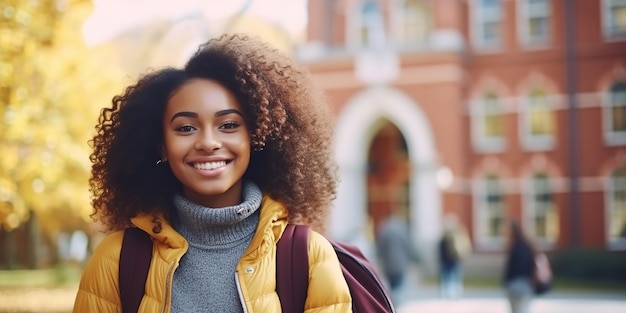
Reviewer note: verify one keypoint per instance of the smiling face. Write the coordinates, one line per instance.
(206, 142)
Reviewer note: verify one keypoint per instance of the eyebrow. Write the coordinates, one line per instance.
(185, 114)
(195, 115)
(228, 111)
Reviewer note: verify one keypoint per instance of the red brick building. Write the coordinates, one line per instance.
(488, 109)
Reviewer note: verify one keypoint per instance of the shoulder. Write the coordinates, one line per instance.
(322, 254)
(319, 244)
(99, 281)
(105, 258)
(109, 247)
(327, 286)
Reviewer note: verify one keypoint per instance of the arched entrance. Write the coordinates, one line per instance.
(356, 126)
(388, 170)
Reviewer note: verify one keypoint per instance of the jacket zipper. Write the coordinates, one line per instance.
(168, 279)
(240, 292)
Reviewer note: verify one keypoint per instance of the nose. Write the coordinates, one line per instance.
(208, 141)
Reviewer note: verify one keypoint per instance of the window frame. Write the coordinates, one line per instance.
(481, 192)
(357, 21)
(526, 12)
(529, 141)
(483, 143)
(611, 137)
(607, 21)
(610, 188)
(403, 20)
(481, 16)
(530, 207)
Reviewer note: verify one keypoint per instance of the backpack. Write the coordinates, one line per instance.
(366, 288)
(542, 276)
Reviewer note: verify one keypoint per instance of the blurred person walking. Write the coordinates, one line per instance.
(453, 247)
(519, 269)
(396, 253)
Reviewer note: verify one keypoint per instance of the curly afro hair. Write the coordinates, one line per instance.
(287, 115)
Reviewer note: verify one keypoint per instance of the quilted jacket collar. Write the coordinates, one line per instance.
(272, 222)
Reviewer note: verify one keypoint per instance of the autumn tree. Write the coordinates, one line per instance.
(52, 87)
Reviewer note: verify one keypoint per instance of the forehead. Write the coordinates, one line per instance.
(200, 94)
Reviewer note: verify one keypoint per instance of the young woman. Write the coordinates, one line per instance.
(519, 270)
(212, 161)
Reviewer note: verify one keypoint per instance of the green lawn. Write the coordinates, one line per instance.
(52, 277)
(39, 291)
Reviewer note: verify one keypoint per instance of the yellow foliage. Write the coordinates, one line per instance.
(52, 87)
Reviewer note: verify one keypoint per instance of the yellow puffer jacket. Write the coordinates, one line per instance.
(256, 272)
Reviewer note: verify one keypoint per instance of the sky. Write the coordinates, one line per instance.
(110, 17)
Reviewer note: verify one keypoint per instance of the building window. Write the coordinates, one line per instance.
(538, 121)
(494, 125)
(615, 114)
(369, 26)
(489, 124)
(490, 212)
(413, 24)
(616, 209)
(614, 19)
(487, 23)
(541, 210)
(534, 21)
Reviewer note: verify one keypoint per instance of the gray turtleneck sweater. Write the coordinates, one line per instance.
(218, 237)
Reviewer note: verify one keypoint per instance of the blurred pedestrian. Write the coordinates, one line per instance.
(453, 247)
(212, 161)
(396, 252)
(519, 269)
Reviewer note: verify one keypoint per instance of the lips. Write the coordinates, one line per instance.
(207, 166)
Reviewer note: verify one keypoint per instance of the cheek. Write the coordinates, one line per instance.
(244, 151)
(248, 157)
(246, 147)
(173, 146)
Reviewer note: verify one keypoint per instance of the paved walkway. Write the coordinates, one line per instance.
(494, 301)
(418, 300)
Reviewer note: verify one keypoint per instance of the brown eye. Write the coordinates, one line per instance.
(185, 129)
(229, 125)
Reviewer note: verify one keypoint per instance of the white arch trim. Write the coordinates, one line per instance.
(355, 127)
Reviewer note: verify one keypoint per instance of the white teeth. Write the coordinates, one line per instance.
(209, 165)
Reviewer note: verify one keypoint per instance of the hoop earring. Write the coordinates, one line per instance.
(159, 161)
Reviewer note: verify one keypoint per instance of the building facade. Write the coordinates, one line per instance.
(491, 110)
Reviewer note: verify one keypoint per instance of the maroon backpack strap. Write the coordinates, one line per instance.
(135, 258)
(368, 292)
(292, 267)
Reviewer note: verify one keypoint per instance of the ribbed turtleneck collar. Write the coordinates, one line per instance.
(206, 226)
